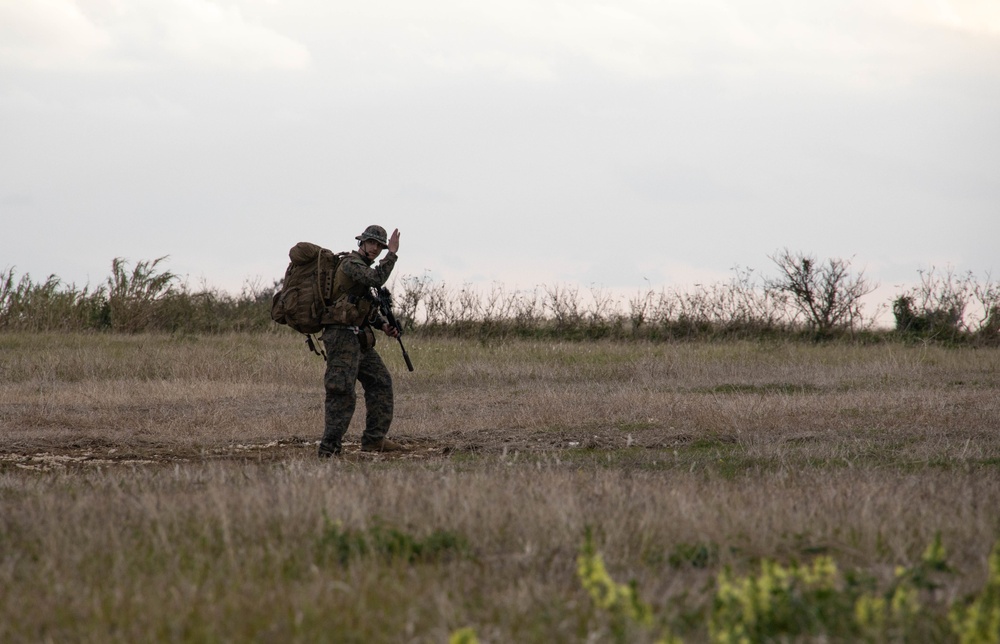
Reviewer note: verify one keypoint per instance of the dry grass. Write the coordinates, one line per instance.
(167, 488)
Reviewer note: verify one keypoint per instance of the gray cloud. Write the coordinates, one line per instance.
(528, 141)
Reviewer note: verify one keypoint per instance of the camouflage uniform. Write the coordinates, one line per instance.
(348, 361)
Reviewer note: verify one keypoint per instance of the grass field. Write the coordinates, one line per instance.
(166, 488)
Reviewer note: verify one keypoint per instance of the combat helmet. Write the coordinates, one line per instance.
(374, 232)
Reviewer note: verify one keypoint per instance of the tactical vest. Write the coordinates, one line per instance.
(353, 304)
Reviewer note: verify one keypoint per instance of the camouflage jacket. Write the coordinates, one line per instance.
(352, 285)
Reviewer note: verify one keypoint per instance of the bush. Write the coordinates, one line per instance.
(950, 307)
(133, 296)
(826, 294)
(943, 323)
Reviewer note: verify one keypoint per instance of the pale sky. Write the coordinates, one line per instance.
(624, 144)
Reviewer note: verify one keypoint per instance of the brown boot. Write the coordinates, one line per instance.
(384, 445)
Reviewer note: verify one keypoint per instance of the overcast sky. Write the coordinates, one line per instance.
(623, 144)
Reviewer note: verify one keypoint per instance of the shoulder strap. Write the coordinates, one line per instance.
(340, 278)
(319, 273)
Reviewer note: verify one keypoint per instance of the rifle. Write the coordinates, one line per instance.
(385, 306)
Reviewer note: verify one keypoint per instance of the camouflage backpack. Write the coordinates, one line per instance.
(307, 288)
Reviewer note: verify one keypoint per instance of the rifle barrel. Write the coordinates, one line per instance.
(406, 356)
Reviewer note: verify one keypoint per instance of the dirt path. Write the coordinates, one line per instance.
(97, 455)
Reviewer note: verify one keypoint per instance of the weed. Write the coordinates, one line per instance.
(978, 622)
(812, 601)
(620, 600)
(345, 545)
(465, 635)
(696, 555)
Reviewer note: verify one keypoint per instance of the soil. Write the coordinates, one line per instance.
(83, 454)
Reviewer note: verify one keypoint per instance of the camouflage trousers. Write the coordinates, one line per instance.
(346, 363)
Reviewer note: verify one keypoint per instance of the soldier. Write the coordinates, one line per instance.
(350, 343)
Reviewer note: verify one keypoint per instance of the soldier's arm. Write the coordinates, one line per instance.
(372, 276)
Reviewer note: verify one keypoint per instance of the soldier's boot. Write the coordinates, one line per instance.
(327, 451)
(382, 445)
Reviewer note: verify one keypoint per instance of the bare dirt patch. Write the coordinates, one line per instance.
(87, 455)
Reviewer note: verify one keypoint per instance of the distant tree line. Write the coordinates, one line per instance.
(807, 298)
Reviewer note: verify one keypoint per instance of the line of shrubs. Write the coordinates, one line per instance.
(144, 297)
(808, 299)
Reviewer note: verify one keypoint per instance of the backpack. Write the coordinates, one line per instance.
(307, 288)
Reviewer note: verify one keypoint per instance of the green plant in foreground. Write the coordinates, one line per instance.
(465, 635)
(881, 616)
(793, 600)
(979, 623)
(812, 600)
(621, 600)
(893, 613)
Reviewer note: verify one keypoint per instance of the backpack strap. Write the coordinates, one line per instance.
(313, 341)
(318, 282)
